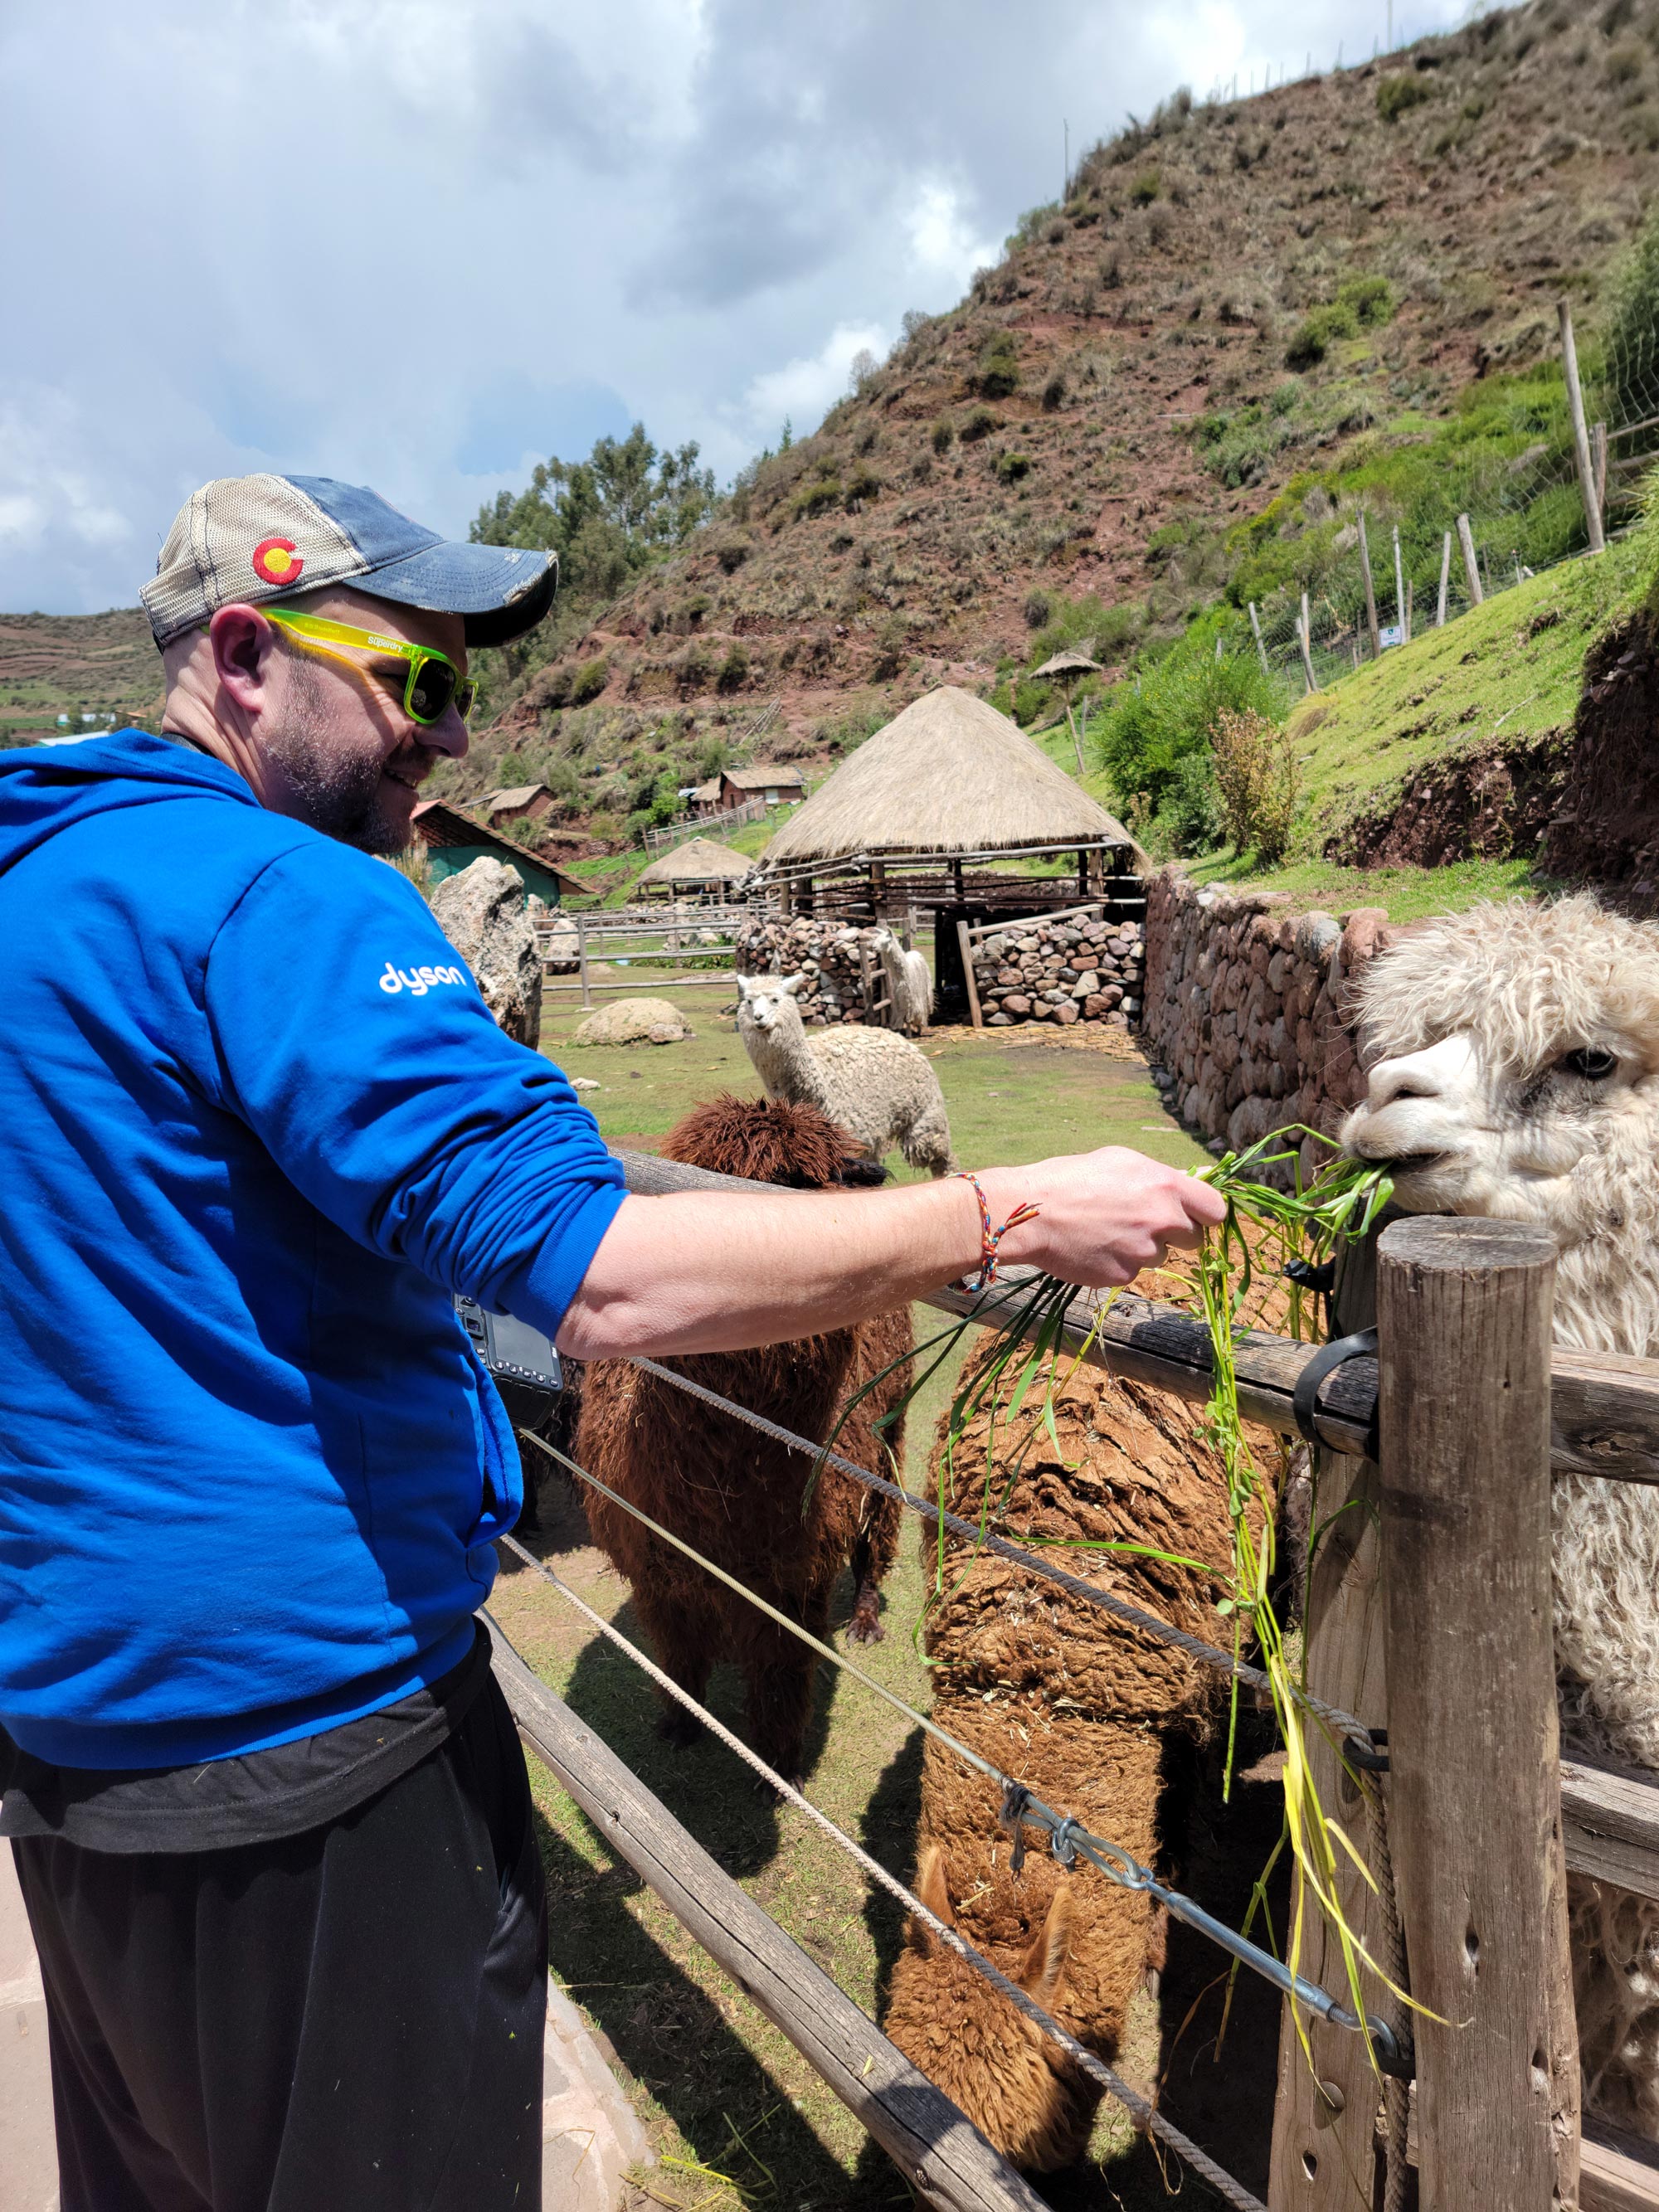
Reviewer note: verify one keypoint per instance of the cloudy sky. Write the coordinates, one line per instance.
(423, 243)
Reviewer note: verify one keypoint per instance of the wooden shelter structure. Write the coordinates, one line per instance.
(698, 869)
(453, 841)
(1065, 669)
(952, 810)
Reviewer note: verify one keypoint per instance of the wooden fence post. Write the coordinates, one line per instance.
(581, 957)
(1401, 617)
(1303, 640)
(1580, 434)
(1599, 464)
(1371, 589)
(1325, 2120)
(968, 974)
(1445, 578)
(1471, 566)
(1474, 1792)
(1261, 650)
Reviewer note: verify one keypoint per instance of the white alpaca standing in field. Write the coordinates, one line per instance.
(908, 984)
(1514, 1056)
(873, 1083)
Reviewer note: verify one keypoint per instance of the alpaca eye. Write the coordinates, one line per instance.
(1591, 1062)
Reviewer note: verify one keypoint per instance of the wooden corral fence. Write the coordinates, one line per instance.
(653, 945)
(1429, 1619)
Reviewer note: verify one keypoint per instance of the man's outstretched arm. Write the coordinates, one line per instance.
(717, 1271)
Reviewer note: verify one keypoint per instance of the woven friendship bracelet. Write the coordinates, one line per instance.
(990, 1238)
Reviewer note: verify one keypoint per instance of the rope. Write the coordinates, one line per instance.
(1019, 1804)
(1132, 1616)
(1144, 2114)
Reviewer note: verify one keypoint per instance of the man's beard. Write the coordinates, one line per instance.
(337, 792)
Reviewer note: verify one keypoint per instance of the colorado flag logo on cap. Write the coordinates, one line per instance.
(275, 561)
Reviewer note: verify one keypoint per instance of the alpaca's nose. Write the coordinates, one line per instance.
(1439, 1074)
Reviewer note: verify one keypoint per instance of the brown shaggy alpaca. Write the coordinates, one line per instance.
(1080, 1709)
(728, 1490)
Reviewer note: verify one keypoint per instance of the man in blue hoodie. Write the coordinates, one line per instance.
(267, 1806)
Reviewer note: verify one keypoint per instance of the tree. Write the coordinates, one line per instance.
(607, 517)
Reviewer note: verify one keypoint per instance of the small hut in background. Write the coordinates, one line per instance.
(1065, 669)
(699, 869)
(952, 810)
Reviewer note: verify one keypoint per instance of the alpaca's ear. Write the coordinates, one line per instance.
(793, 983)
(1044, 1965)
(934, 1890)
(744, 986)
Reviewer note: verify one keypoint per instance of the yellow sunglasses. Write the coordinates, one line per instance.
(432, 683)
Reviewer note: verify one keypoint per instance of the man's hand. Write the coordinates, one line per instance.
(1102, 1216)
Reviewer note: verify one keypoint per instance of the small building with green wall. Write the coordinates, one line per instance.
(453, 841)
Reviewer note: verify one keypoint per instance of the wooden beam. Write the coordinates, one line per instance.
(1604, 1407)
(1474, 1792)
(1471, 566)
(1611, 1821)
(938, 2150)
(1581, 444)
(1370, 590)
(1618, 2172)
(972, 987)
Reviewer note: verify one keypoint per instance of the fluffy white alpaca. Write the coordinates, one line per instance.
(908, 983)
(1514, 1072)
(873, 1083)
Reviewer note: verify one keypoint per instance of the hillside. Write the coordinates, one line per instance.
(1110, 417)
(75, 665)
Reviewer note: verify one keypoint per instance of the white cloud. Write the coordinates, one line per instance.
(944, 248)
(801, 390)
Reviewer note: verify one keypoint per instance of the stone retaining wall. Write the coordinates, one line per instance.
(1249, 1005)
(1062, 971)
(826, 952)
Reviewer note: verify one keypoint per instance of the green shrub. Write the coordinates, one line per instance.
(1054, 393)
(999, 367)
(1145, 188)
(734, 670)
(589, 681)
(980, 424)
(1257, 776)
(814, 498)
(1156, 720)
(1397, 95)
(862, 484)
(731, 553)
(944, 432)
(1371, 299)
(1190, 820)
(1318, 332)
(1038, 607)
(1011, 467)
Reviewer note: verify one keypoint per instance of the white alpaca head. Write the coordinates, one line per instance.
(767, 1008)
(1514, 1071)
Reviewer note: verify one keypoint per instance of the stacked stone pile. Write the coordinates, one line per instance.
(1249, 1008)
(1061, 971)
(826, 953)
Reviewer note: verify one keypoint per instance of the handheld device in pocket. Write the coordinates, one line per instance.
(522, 1362)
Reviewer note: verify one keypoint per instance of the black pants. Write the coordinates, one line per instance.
(351, 2017)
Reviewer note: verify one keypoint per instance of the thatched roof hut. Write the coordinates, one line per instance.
(949, 775)
(698, 867)
(1068, 664)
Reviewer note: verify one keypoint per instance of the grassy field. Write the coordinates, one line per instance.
(737, 2117)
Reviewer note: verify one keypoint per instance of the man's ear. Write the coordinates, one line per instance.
(243, 643)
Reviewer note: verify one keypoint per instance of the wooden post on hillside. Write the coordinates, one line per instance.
(1471, 566)
(1580, 434)
(1401, 618)
(1324, 2146)
(1303, 640)
(1473, 1791)
(1408, 610)
(581, 957)
(1445, 578)
(1370, 590)
(1599, 464)
(1261, 650)
(968, 972)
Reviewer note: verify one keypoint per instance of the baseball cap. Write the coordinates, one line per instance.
(251, 538)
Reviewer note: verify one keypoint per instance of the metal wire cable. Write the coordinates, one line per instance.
(1069, 1838)
(1145, 2113)
(1132, 1616)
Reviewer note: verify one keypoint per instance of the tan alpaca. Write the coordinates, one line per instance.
(1514, 1060)
(1079, 1709)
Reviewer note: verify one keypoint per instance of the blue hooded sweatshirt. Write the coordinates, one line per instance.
(257, 1126)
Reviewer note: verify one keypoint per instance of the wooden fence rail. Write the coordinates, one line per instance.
(934, 2146)
(1429, 1615)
